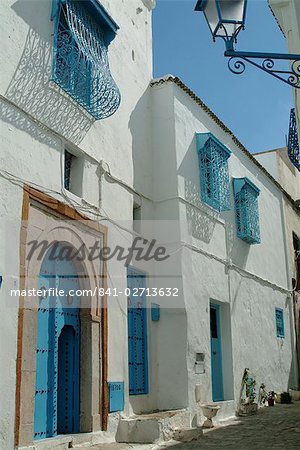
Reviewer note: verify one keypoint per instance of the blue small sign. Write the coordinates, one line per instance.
(155, 312)
(116, 396)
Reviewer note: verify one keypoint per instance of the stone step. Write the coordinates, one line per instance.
(156, 427)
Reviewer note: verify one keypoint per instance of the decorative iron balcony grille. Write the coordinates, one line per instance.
(293, 141)
(214, 177)
(246, 210)
(80, 60)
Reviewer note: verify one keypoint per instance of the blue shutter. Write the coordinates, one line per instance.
(279, 322)
(137, 334)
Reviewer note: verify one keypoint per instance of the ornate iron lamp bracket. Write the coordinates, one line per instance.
(267, 63)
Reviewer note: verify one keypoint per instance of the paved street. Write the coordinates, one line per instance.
(271, 428)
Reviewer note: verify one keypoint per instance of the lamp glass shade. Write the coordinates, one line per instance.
(224, 17)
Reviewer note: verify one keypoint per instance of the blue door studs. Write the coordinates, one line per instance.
(216, 354)
(137, 333)
(56, 408)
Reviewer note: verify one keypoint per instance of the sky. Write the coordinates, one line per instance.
(254, 105)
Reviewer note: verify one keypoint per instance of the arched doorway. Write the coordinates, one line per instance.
(56, 408)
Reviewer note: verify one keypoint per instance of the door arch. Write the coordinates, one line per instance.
(57, 350)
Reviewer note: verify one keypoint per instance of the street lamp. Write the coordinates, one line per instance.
(226, 18)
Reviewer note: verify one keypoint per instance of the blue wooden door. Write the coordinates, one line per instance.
(57, 352)
(137, 333)
(216, 354)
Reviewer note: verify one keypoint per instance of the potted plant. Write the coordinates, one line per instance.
(271, 398)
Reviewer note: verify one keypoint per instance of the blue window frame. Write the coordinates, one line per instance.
(82, 33)
(246, 210)
(214, 177)
(279, 322)
(137, 333)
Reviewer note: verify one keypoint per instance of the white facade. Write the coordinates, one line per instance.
(287, 13)
(247, 281)
(144, 154)
(279, 165)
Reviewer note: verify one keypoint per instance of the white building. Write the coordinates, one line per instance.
(287, 13)
(71, 175)
(281, 168)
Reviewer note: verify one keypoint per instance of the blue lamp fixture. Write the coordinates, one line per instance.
(226, 18)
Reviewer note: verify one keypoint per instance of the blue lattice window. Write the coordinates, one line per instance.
(279, 322)
(246, 210)
(82, 33)
(214, 178)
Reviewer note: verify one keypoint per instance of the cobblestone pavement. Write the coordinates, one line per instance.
(271, 428)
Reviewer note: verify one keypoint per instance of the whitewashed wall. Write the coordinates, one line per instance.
(33, 153)
(248, 281)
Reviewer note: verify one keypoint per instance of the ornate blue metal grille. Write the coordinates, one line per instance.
(246, 210)
(137, 334)
(279, 322)
(214, 177)
(80, 61)
(293, 142)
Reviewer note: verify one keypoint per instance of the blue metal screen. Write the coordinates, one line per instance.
(293, 142)
(246, 210)
(214, 177)
(279, 322)
(137, 334)
(80, 60)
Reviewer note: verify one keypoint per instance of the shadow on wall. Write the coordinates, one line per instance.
(237, 250)
(201, 219)
(31, 88)
(141, 129)
(201, 224)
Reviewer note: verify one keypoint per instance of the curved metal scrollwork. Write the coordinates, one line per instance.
(291, 76)
(236, 65)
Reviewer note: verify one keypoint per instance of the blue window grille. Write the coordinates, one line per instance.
(137, 333)
(214, 177)
(279, 322)
(293, 141)
(246, 210)
(82, 33)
